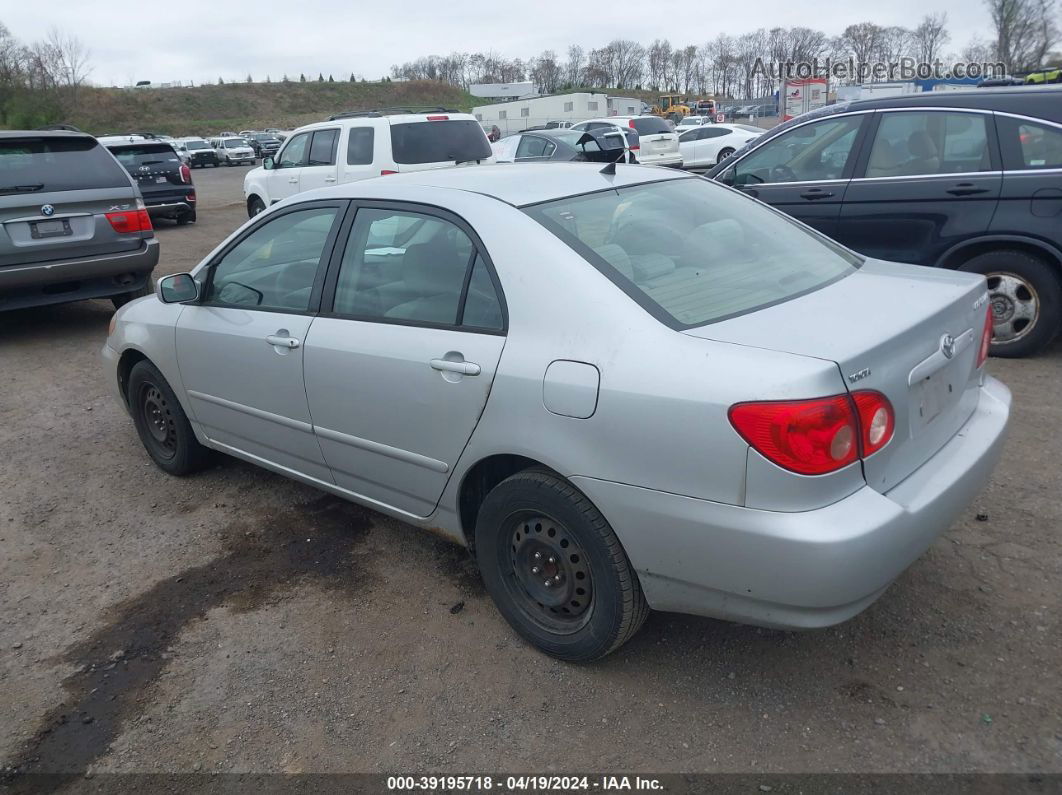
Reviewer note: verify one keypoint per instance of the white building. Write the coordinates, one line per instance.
(516, 115)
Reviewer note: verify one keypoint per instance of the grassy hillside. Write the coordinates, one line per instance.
(211, 109)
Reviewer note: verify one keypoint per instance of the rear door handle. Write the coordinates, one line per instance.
(293, 180)
(282, 340)
(815, 193)
(966, 189)
(330, 179)
(464, 368)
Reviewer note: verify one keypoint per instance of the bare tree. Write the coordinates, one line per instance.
(71, 57)
(930, 36)
(1025, 31)
(862, 41)
(573, 70)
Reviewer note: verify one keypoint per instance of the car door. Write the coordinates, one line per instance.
(803, 171)
(690, 145)
(534, 148)
(400, 362)
(1031, 195)
(713, 139)
(240, 348)
(285, 176)
(320, 170)
(926, 181)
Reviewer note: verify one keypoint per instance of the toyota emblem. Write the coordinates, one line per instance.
(947, 346)
(47, 209)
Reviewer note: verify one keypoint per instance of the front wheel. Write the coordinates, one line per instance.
(161, 423)
(1025, 295)
(255, 206)
(555, 569)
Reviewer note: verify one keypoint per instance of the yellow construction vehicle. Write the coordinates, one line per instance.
(671, 106)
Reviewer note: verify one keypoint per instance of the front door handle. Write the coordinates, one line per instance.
(293, 180)
(815, 193)
(330, 179)
(462, 368)
(282, 340)
(966, 189)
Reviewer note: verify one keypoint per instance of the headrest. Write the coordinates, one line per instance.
(433, 268)
(920, 144)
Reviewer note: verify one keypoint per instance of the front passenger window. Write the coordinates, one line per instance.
(294, 153)
(809, 153)
(275, 266)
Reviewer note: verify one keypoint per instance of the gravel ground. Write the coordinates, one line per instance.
(236, 621)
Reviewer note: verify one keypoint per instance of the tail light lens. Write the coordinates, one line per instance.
(130, 221)
(814, 437)
(438, 118)
(877, 421)
(634, 147)
(186, 174)
(190, 198)
(986, 338)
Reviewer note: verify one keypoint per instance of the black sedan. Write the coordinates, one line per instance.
(599, 146)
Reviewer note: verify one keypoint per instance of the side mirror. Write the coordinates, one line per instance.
(180, 288)
(267, 163)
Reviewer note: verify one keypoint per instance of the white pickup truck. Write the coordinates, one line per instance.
(363, 144)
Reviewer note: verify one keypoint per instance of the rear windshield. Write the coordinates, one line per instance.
(692, 252)
(34, 165)
(651, 126)
(438, 142)
(190, 145)
(145, 154)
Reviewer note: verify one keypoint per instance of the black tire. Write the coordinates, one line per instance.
(147, 288)
(161, 423)
(255, 206)
(724, 153)
(594, 604)
(1020, 284)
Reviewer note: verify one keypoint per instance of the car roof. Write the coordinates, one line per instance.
(5, 134)
(373, 118)
(1005, 99)
(517, 184)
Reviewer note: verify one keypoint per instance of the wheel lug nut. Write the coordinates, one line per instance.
(548, 583)
(552, 559)
(557, 579)
(535, 570)
(538, 556)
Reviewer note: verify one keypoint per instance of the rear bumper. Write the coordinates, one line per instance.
(674, 160)
(168, 208)
(56, 282)
(800, 570)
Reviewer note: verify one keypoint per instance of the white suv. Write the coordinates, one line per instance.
(658, 143)
(234, 151)
(353, 146)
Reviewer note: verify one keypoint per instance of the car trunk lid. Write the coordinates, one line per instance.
(886, 327)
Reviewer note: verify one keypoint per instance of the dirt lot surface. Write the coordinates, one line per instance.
(236, 621)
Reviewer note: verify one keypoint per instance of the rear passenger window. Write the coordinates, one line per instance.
(408, 267)
(360, 146)
(323, 148)
(910, 143)
(1041, 146)
(275, 266)
(533, 146)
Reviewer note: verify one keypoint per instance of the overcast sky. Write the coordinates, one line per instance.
(201, 40)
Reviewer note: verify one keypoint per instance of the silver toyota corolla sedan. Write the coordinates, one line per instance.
(621, 391)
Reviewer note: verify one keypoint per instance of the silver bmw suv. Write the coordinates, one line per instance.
(72, 223)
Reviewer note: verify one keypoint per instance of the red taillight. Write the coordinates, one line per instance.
(877, 421)
(814, 437)
(186, 174)
(190, 197)
(387, 171)
(438, 118)
(132, 221)
(637, 146)
(811, 437)
(986, 338)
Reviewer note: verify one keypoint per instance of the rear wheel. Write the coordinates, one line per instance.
(555, 568)
(724, 153)
(121, 300)
(186, 218)
(1025, 295)
(161, 423)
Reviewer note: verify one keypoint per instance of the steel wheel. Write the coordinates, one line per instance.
(158, 421)
(1015, 306)
(549, 577)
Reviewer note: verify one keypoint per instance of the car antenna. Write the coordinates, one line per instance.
(609, 170)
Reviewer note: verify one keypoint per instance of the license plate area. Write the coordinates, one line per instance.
(931, 396)
(44, 229)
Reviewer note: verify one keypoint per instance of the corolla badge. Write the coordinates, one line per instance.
(859, 375)
(947, 346)
(47, 209)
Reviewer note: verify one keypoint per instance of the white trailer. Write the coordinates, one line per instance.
(516, 115)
